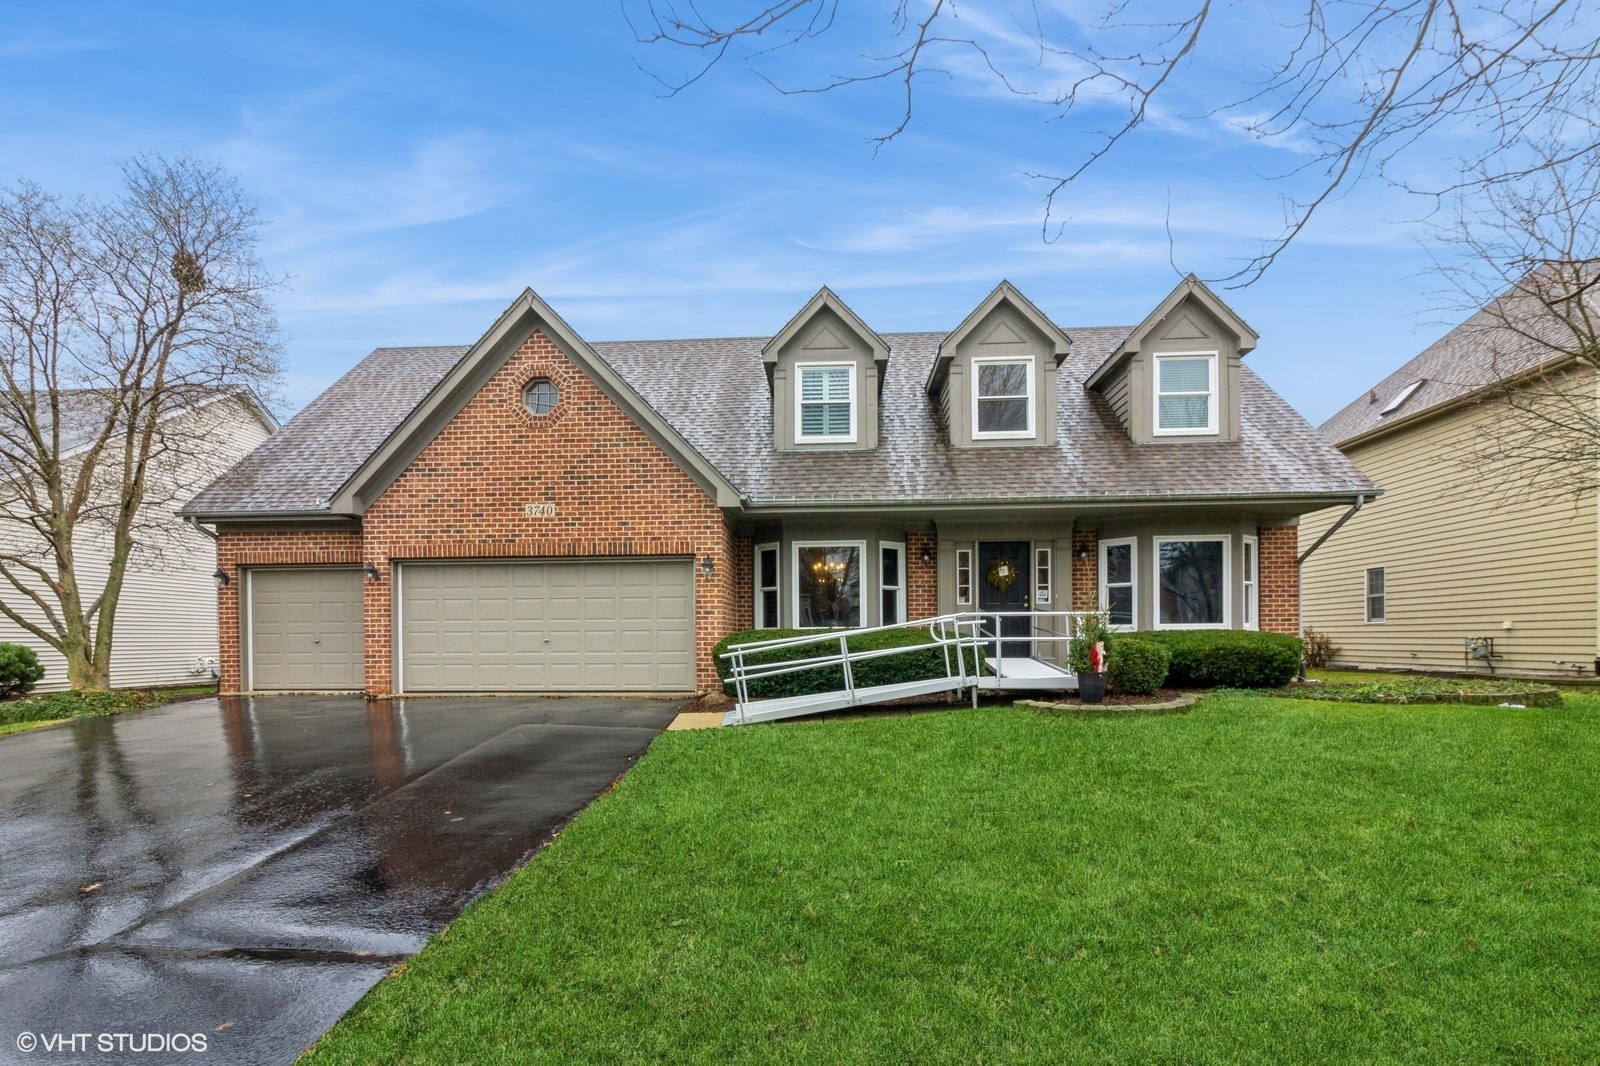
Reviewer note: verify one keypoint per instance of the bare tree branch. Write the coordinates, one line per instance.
(1351, 87)
(121, 324)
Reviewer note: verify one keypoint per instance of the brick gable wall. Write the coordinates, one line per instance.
(615, 491)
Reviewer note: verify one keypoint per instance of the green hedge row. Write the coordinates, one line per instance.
(911, 666)
(1232, 658)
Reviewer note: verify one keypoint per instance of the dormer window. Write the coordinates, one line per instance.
(826, 403)
(1186, 393)
(1002, 397)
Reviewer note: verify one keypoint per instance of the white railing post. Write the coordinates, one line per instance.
(844, 656)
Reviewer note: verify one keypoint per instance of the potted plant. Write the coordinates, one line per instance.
(1087, 654)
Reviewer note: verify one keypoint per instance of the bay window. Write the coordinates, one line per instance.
(1118, 560)
(827, 585)
(1193, 575)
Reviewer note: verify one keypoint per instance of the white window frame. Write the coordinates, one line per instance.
(755, 581)
(1227, 580)
(964, 577)
(1366, 595)
(1132, 544)
(1006, 434)
(800, 435)
(1044, 573)
(1211, 396)
(899, 585)
(794, 576)
(1251, 581)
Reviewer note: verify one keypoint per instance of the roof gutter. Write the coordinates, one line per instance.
(811, 505)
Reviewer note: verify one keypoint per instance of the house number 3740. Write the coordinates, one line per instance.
(538, 510)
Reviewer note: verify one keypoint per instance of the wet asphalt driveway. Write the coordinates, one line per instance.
(244, 869)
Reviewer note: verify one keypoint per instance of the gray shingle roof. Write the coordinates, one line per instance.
(731, 425)
(714, 393)
(1512, 336)
(300, 467)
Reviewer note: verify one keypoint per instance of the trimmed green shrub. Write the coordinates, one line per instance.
(19, 670)
(911, 666)
(1232, 658)
(1092, 630)
(1136, 666)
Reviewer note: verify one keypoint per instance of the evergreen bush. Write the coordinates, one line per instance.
(1137, 666)
(19, 670)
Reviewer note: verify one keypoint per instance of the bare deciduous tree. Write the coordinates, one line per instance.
(1527, 253)
(1351, 86)
(121, 324)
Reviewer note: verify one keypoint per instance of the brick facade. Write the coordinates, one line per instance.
(922, 578)
(1279, 592)
(304, 547)
(1085, 571)
(616, 493)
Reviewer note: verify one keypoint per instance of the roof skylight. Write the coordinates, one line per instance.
(1401, 397)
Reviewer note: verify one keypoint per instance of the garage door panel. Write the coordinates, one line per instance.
(305, 629)
(589, 625)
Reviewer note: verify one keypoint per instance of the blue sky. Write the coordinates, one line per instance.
(418, 165)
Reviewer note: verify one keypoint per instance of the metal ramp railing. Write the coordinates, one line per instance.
(978, 650)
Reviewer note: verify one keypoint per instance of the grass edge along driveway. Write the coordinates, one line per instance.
(1260, 880)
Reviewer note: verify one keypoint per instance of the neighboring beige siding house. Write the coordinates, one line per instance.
(1461, 545)
(166, 622)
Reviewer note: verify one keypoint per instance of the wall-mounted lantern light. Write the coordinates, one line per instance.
(220, 578)
(926, 556)
(1082, 553)
(372, 573)
(708, 566)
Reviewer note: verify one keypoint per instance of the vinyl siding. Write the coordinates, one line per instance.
(1458, 564)
(1117, 392)
(167, 616)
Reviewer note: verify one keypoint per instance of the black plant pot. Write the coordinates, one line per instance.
(1091, 687)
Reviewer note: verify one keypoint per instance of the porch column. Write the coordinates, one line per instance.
(1085, 571)
(1279, 591)
(922, 578)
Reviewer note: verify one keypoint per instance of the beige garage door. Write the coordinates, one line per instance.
(304, 629)
(580, 626)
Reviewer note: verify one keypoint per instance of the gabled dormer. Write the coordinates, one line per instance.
(995, 374)
(1175, 378)
(825, 370)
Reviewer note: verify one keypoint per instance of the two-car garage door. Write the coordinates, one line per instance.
(591, 625)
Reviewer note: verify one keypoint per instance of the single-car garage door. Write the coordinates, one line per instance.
(304, 629)
(594, 625)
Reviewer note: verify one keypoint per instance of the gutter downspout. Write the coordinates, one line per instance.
(1300, 563)
(194, 524)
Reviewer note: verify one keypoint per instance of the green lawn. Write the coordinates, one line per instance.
(1260, 880)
